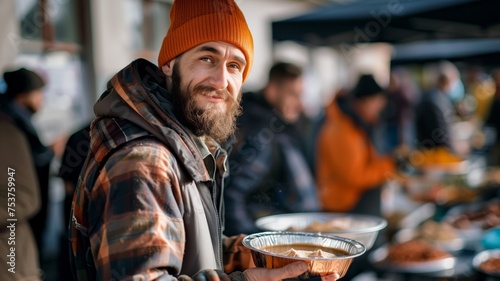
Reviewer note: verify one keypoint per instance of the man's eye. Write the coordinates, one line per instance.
(206, 59)
(235, 66)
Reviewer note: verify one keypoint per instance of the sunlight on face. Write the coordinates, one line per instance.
(208, 79)
(213, 72)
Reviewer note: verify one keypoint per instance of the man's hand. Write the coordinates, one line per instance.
(59, 145)
(289, 271)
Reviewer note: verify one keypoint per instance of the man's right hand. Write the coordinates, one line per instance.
(288, 271)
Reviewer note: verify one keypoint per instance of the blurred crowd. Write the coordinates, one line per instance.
(281, 160)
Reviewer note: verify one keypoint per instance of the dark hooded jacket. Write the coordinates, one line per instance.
(269, 171)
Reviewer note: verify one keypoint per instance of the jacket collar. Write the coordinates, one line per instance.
(345, 107)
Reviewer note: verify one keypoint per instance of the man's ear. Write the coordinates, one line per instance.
(168, 68)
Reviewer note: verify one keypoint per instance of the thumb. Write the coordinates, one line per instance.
(290, 270)
(332, 277)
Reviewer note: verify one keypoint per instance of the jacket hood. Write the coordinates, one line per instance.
(258, 111)
(137, 97)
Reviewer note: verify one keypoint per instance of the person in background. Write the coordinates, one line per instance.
(398, 114)
(22, 99)
(20, 195)
(349, 169)
(435, 115)
(269, 171)
(350, 172)
(72, 161)
(148, 205)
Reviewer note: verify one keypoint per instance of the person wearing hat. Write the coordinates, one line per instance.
(22, 99)
(435, 116)
(20, 195)
(349, 170)
(148, 205)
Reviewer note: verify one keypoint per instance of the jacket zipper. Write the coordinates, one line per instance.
(217, 221)
(218, 209)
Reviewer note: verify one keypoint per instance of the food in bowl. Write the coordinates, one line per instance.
(306, 251)
(273, 250)
(434, 157)
(442, 188)
(488, 262)
(415, 251)
(439, 234)
(433, 231)
(491, 265)
(485, 217)
(444, 193)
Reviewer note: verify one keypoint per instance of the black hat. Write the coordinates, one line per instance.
(366, 87)
(21, 81)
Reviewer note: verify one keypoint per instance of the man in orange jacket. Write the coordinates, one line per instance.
(349, 170)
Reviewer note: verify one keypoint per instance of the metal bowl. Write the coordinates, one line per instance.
(316, 266)
(362, 228)
(483, 256)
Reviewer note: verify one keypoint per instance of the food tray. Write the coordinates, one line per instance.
(451, 245)
(379, 259)
(483, 256)
(317, 266)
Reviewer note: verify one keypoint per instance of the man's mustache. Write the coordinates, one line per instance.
(211, 91)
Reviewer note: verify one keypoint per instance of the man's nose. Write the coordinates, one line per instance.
(219, 77)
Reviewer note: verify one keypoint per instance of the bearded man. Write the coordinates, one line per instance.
(148, 204)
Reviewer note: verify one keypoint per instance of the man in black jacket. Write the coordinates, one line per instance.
(435, 115)
(269, 172)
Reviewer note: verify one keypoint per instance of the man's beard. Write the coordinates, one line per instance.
(210, 120)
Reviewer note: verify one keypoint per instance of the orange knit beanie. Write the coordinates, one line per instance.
(194, 22)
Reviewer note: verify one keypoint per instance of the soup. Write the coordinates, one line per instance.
(306, 251)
